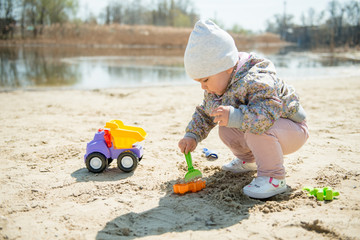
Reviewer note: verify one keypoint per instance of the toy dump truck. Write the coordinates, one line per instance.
(115, 141)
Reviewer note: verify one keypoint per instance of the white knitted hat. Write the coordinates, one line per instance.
(210, 50)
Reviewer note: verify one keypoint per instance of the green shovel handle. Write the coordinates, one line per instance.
(189, 161)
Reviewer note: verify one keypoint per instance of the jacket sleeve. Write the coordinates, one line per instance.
(263, 105)
(201, 123)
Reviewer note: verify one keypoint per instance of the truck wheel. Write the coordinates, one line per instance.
(127, 161)
(96, 162)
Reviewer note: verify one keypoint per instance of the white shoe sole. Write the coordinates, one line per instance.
(264, 195)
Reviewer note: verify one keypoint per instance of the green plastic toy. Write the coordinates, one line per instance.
(322, 194)
(192, 173)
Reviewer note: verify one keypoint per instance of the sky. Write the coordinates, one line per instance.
(249, 14)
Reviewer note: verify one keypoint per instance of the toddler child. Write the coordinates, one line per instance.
(260, 118)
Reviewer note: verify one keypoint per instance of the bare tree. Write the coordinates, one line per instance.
(38, 13)
(352, 11)
(335, 23)
(7, 20)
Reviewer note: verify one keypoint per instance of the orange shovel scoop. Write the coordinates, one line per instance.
(182, 188)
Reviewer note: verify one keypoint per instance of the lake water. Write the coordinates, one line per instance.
(82, 68)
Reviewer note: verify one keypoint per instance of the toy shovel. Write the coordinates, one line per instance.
(192, 173)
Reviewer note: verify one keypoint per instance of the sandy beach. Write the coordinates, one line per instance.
(47, 193)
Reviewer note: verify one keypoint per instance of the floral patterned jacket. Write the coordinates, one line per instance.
(258, 98)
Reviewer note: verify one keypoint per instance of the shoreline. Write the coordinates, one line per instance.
(339, 74)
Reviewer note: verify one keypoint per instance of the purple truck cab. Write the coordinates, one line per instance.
(100, 152)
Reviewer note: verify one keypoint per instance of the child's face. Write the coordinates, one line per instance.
(216, 84)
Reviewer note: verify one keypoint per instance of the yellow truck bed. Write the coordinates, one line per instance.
(124, 136)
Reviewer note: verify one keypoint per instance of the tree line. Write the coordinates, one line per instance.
(175, 13)
(336, 26)
(34, 15)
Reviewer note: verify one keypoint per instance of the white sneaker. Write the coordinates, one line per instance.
(264, 187)
(239, 166)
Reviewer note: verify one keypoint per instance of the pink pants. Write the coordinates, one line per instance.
(267, 149)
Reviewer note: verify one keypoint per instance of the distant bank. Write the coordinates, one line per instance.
(131, 36)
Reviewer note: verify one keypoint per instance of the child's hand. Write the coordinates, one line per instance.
(187, 144)
(221, 115)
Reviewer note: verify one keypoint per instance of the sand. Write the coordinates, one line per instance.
(47, 193)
